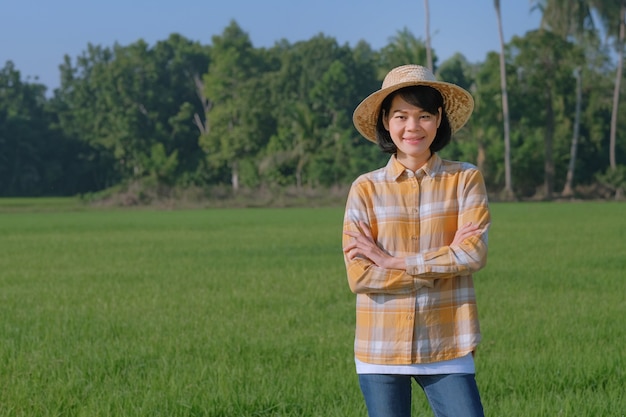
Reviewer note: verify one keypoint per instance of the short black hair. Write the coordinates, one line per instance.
(428, 99)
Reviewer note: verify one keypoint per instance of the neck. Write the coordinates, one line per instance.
(413, 163)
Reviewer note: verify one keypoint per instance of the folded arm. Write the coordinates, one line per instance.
(372, 269)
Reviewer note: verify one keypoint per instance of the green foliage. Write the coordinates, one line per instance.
(403, 48)
(230, 114)
(124, 100)
(161, 166)
(234, 85)
(35, 157)
(536, 55)
(614, 179)
(248, 313)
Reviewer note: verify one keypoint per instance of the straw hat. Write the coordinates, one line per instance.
(458, 102)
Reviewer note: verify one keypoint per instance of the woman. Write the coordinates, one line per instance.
(414, 232)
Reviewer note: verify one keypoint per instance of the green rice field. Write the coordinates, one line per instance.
(247, 312)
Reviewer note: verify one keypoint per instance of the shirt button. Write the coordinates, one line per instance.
(413, 237)
(409, 317)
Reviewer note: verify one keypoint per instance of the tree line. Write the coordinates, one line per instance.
(183, 114)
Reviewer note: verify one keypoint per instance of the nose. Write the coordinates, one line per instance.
(413, 123)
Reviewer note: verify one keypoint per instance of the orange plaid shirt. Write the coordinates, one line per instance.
(428, 312)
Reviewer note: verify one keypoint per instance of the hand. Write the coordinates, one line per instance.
(467, 230)
(364, 245)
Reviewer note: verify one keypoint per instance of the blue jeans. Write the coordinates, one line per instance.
(450, 395)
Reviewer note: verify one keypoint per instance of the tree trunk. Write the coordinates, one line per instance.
(203, 126)
(549, 158)
(481, 157)
(298, 179)
(616, 91)
(235, 176)
(508, 186)
(429, 52)
(568, 189)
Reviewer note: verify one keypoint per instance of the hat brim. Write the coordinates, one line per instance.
(458, 104)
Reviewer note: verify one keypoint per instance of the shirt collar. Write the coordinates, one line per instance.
(395, 169)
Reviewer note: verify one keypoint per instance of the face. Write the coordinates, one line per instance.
(412, 130)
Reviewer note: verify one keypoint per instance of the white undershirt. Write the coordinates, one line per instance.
(462, 365)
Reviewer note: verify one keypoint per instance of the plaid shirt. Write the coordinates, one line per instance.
(428, 312)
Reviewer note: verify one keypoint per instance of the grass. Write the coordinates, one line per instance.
(247, 312)
(31, 204)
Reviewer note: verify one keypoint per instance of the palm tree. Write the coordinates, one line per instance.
(568, 188)
(508, 187)
(569, 18)
(304, 128)
(566, 17)
(402, 48)
(618, 78)
(616, 91)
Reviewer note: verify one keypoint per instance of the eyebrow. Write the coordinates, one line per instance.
(402, 110)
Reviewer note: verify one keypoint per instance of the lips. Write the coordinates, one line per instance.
(413, 139)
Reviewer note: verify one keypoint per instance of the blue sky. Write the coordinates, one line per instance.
(36, 34)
